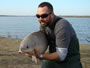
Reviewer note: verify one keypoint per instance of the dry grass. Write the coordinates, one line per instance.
(85, 55)
(9, 57)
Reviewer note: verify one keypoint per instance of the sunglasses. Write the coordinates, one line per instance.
(43, 15)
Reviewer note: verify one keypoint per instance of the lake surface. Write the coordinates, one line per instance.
(19, 27)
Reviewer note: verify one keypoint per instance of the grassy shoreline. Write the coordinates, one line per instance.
(9, 55)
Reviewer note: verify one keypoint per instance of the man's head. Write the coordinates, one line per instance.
(45, 13)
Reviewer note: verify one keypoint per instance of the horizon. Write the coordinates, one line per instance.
(57, 15)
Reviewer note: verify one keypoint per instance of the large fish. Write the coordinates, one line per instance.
(34, 40)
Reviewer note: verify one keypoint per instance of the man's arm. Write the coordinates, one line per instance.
(48, 56)
(59, 55)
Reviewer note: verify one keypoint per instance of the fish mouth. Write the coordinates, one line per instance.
(25, 51)
(20, 52)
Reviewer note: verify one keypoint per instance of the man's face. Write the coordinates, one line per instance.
(43, 15)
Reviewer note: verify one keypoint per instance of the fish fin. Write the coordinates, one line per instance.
(34, 59)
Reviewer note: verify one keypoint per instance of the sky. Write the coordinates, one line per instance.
(29, 7)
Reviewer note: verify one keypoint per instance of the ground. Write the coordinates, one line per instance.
(9, 57)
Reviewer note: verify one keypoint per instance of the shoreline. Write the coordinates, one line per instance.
(77, 16)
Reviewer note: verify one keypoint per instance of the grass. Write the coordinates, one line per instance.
(9, 57)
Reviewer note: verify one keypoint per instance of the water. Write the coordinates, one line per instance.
(82, 28)
(19, 27)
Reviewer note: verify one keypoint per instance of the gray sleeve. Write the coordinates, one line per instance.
(62, 33)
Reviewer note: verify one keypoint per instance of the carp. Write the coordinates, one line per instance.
(36, 40)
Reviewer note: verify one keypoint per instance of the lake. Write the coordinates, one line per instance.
(19, 27)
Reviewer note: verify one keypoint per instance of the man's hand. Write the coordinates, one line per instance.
(28, 54)
(37, 54)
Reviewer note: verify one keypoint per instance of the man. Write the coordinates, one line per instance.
(62, 40)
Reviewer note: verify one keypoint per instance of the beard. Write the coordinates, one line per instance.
(44, 23)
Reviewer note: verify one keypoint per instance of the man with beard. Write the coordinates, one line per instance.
(62, 40)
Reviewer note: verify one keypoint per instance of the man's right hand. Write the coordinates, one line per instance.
(28, 54)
